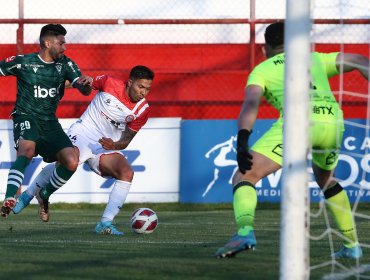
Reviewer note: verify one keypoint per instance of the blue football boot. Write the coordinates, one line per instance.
(236, 245)
(349, 253)
(107, 228)
(23, 201)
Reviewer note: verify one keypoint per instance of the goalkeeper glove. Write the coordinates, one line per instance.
(243, 156)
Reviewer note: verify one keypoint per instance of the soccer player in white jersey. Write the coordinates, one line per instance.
(108, 125)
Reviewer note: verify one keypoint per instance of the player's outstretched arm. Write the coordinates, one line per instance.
(247, 118)
(84, 84)
(347, 62)
(121, 144)
(249, 110)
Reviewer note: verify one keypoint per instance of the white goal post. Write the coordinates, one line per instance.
(294, 255)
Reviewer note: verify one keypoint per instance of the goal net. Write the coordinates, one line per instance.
(347, 31)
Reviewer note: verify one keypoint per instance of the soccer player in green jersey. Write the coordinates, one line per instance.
(41, 79)
(265, 156)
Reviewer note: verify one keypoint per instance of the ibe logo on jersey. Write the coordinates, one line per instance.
(40, 92)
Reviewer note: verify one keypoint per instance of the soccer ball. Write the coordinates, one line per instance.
(144, 220)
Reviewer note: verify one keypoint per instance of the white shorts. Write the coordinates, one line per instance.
(90, 149)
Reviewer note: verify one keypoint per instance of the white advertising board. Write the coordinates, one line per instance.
(154, 155)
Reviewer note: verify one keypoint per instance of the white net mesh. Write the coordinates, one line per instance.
(349, 35)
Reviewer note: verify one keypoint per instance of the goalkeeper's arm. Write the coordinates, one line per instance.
(352, 62)
(247, 118)
(249, 110)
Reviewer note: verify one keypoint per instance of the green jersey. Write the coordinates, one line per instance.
(40, 84)
(269, 75)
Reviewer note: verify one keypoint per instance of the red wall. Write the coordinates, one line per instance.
(192, 81)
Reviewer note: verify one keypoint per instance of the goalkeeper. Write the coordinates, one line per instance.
(265, 157)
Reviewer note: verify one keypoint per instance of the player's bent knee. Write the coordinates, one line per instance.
(26, 149)
(71, 163)
(30, 153)
(125, 173)
(70, 166)
(68, 157)
(249, 176)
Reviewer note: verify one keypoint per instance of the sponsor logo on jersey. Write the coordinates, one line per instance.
(10, 58)
(113, 122)
(322, 110)
(279, 61)
(34, 67)
(40, 92)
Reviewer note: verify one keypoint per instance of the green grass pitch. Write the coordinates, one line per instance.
(182, 246)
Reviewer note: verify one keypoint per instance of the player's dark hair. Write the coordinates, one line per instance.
(141, 72)
(274, 34)
(51, 30)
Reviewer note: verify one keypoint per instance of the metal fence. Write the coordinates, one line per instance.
(201, 51)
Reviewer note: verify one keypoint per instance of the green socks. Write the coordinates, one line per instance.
(59, 177)
(16, 175)
(245, 202)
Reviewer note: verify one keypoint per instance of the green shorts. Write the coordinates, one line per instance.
(49, 136)
(325, 138)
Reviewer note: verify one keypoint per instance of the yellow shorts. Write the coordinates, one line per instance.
(325, 138)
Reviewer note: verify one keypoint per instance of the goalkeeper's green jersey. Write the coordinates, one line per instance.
(269, 75)
(40, 84)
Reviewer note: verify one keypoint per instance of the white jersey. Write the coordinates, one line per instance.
(111, 111)
(109, 114)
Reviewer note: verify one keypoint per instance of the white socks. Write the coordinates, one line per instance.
(41, 179)
(116, 199)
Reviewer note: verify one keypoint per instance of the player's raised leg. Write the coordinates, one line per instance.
(68, 159)
(114, 165)
(41, 180)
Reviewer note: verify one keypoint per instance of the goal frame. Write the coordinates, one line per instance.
(294, 249)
